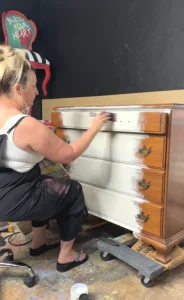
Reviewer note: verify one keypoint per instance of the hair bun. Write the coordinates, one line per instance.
(1, 55)
(14, 68)
(6, 51)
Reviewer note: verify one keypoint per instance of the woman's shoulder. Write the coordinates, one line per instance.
(30, 124)
(9, 121)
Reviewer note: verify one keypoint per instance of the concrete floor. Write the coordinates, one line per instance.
(112, 280)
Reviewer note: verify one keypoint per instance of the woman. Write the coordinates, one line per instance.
(25, 194)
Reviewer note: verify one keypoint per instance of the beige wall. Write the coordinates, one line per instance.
(164, 97)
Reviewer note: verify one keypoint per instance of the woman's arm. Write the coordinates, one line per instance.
(31, 134)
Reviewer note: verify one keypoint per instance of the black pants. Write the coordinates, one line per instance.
(70, 217)
(38, 198)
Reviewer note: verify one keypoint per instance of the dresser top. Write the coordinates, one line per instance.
(137, 100)
(168, 106)
(155, 99)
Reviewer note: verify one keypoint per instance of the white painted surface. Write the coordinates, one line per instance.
(119, 147)
(112, 146)
(115, 108)
(114, 207)
(128, 118)
(113, 176)
(110, 188)
(131, 121)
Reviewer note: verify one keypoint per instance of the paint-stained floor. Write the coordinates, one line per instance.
(111, 280)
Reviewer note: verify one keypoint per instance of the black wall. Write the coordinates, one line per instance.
(99, 47)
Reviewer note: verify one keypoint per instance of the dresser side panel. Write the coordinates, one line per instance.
(175, 190)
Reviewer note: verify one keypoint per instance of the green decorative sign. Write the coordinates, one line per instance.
(18, 30)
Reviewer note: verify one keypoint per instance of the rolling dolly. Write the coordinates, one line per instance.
(139, 256)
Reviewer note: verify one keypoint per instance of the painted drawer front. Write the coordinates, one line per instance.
(129, 179)
(123, 147)
(125, 121)
(124, 210)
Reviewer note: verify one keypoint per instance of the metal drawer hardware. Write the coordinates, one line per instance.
(142, 217)
(143, 185)
(92, 114)
(144, 151)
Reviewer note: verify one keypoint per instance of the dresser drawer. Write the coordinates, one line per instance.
(151, 217)
(139, 149)
(128, 179)
(124, 120)
(123, 210)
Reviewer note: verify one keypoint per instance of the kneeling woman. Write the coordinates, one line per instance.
(25, 194)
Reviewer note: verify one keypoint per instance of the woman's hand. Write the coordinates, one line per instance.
(101, 118)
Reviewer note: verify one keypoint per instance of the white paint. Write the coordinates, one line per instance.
(113, 176)
(114, 108)
(126, 118)
(131, 121)
(110, 188)
(114, 207)
(112, 146)
(119, 147)
(77, 290)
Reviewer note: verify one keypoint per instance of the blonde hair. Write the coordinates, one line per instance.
(14, 68)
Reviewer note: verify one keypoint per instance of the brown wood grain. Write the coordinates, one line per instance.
(164, 169)
(154, 223)
(155, 191)
(137, 149)
(56, 119)
(156, 157)
(133, 121)
(153, 122)
(175, 197)
(60, 133)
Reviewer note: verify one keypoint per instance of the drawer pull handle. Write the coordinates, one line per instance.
(144, 151)
(142, 217)
(143, 185)
(92, 114)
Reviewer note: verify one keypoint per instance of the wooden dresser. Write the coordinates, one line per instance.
(133, 172)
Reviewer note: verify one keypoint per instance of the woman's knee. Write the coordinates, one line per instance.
(76, 189)
(77, 195)
(76, 185)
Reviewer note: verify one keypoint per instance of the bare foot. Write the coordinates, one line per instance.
(71, 256)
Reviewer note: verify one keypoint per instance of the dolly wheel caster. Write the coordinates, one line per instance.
(105, 256)
(30, 281)
(146, 282)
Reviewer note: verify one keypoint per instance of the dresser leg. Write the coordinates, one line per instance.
(163, 256)
(163, 250)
